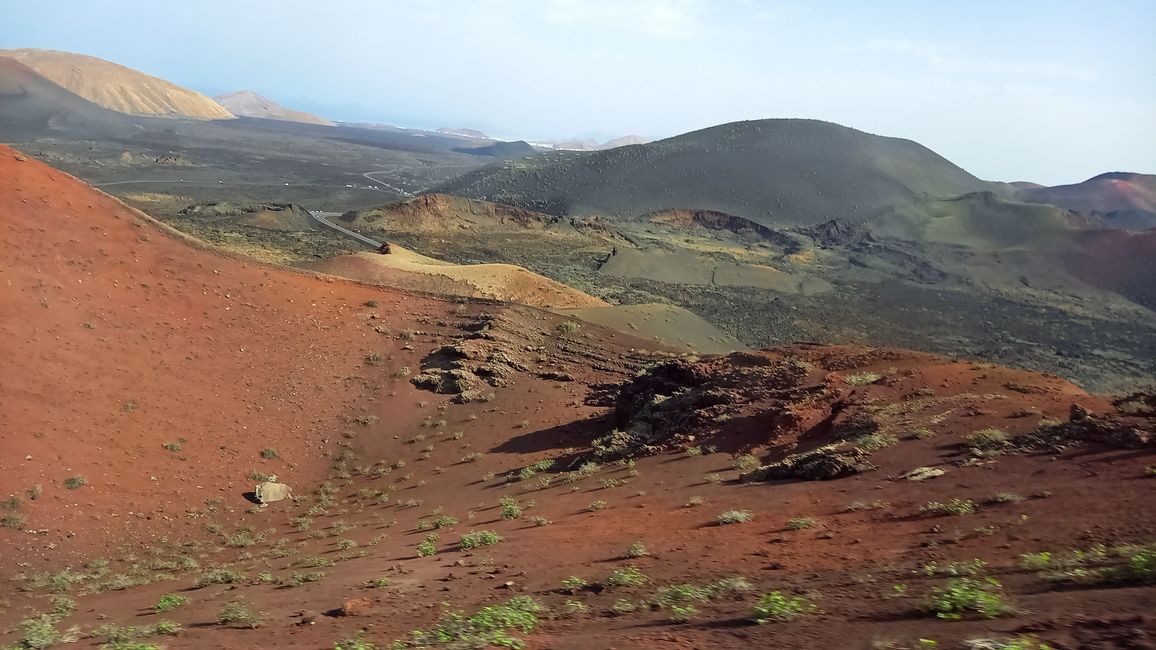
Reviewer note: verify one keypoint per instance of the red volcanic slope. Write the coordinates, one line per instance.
(1114, 260)
(119, 336)
(1111, 192)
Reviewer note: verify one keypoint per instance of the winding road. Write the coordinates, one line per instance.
(323, 219)
(319, 216)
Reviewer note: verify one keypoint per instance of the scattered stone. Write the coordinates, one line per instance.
(822, 464)
(922, 473)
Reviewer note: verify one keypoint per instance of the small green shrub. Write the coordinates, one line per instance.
(801, 523)
(490, 626)
(597, 504)
(777, 607)
(426, 549)
(269, 453)
(571, 607)
(960, 597)
(444, 521)
(862, 378)
(40, 632)
(636, 550)
(573, 584)
(875, 441)
(680, 600)
(12, 520)
(745, 462)
(627, 577)
(1035, 561)
(623, 606)
(510, 508)
(75, 482)
(735, 517)
(987, 441)
(219, 577)
(169, 601)
(477, 538)
(1005, 497)
(237, 612)
(954, 507)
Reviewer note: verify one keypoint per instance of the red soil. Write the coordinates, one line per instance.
(236, 357)
(1115, 260)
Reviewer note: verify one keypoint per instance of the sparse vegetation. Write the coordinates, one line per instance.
(860, 506)
(954, 507)
(777, 607)
(735, 517)
(169, 601)
(987, 442)
(628, 576)
(40, 632)
(862, 378)
(636, 550)
(490, 626)
(968, 596)
(800, 523)
(745, 462)
(237, 612)
(75, 482)
(510, 508)
(875, 441)
(269, 453)
(476, 538)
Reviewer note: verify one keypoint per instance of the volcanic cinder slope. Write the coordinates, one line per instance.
(462, 455)
(117, 87)
(406, 269)
(33, 105)
(250, 104)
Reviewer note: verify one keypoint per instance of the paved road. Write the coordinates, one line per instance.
(322, 218)
(387, 186)
(181, 180)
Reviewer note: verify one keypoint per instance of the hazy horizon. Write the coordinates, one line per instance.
(1037, 91)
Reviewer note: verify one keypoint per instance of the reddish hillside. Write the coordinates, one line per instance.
(1118, 261)
(1125, 200)
(637, 500)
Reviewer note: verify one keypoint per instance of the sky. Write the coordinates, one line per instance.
(1052, 92)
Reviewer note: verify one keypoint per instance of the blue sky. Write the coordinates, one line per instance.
(1053, 92)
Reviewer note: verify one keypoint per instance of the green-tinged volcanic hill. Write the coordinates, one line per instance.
(774, 172)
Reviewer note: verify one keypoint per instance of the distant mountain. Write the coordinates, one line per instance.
(773, 172)
(624, 140)
(1120, 200)
(590, 144)
(116, 87)
(515, 149)
(249, 104)
(31, 105)
(465, 133)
